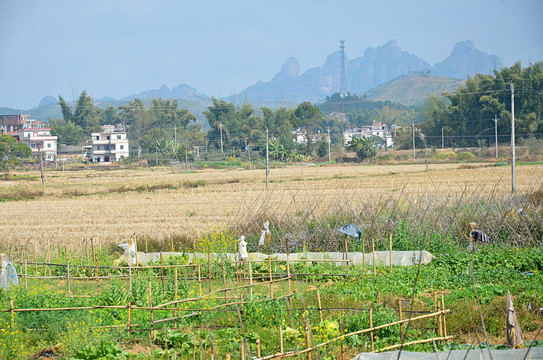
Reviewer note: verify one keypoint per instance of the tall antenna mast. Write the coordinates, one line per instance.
(343, 85)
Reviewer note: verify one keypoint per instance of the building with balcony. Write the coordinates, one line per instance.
(109, 145)
(40, 140)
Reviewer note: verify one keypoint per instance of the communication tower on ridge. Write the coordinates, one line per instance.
(343, 85)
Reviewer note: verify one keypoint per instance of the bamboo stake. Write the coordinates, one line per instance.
(224, 282)
(436, 319)
(363, 258)
(401, 318)
(26, 274)
(307, 338)
(162, 272)
(250, 280)
(227, 357)
(48, 257)
(242, 350)
(175, 296)
(12, 314)
(129, 314)
(271, 277)
(68, 277)
(390, 252)
(288, 269)
(319, 303)
(36, 256)
(130, 276)
(152, 318)
(95, 260)
(444, 321)
(440, 318)
(378, 297)
(373, 254)
(347, 253)
(199, 281)
(371, 332)
(341, 342)
(415, 342)
(258, 348)
(281, 338)
(209, 271)
(87, 249)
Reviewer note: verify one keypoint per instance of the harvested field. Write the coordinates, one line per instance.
(158, 203)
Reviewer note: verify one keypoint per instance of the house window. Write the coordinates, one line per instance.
(33, 146)
(121, 147)
(112, 146)
(49, 145)
(107, 137)
(118, 136)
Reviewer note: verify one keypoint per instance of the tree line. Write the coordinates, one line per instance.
(463, 118)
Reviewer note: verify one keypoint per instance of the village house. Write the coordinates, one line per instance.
(40, 140)
(376, 129)
(11, 124)
(109, 145)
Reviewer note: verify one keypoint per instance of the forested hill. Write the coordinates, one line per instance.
(413, 89)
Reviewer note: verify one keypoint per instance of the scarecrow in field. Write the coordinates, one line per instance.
(477, 236)
(130, 252)
(265, 235)
(243, 249)
(8, 273)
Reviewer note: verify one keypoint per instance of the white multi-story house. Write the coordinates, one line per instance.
(109, 145)
(376, 129)
(40, 140)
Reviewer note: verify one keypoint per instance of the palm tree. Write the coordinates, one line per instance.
(363, 147)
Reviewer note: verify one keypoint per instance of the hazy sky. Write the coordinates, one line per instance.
(122, 47)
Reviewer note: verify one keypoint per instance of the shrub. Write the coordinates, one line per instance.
(466, 156)
(446, 155)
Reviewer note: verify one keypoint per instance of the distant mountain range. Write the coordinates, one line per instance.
(375, 67)
(288, 87)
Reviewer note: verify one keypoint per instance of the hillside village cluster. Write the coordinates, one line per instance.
(111, 144)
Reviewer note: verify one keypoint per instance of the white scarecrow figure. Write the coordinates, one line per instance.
(130, 252)
(265, 235)
(8, 273)
(243, 248)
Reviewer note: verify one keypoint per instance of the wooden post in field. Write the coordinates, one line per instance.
(371, 332)
(307, 337)
(12, 314)
(227, 357)
(130, 276)
(250, 280)
(271, 277)
(390, 252)
(162, 272)
(175, 297)
(400, 315)
(129, 314)
(152, 317)
(48, 258)
(440, 319)
(36, 257)
(373, 254)
(87, 249)
(341, 341)
(363, 258)
(281, 347)
(199, 281)
(436, 318)
(26, 274)
(224, 283)
(68, 277)
(242, 350)
(95, 260)
(209, 271)
(319, 303)
(258, 354)
(444, 321)
(288, 269)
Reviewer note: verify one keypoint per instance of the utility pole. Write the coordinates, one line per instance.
(512, 138)
(220, 127)
(496, 134)
(175, 135)
(414, 141)
(329, 141)
(267, 158)
(442, 139)
(41, 170)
